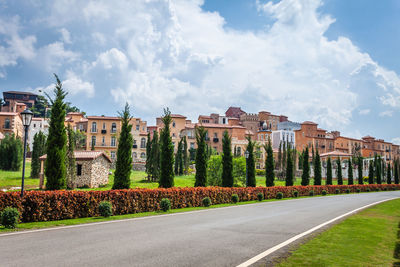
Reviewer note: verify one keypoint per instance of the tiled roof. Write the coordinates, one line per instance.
(102, 118)
(88, 155)
(8, 113)
(336, 153)
(215, 125)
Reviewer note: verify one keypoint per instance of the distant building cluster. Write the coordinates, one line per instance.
(101, 132)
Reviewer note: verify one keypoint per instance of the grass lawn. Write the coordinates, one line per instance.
(10, 179)
(365, 239)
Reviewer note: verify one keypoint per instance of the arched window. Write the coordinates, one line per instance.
(143, 142)
(94, 127)
(113, 141)
(134, 155)
(113, 127)
(239, 150)
(93, 140)
(143, 155)
(173, 124)
(7, 124)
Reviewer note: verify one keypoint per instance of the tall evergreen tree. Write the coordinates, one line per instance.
(396, 172)
(284, 161)
(317, 169)
(313, 156)
(371, 172)
(251, 166)
(148, 157)
(201, 157)
(329, 172)
(185, 156)
(178, 158)
(378, 171)
(339, 172)
(227, 164)
(289, 170)
(181, 163)
(279, 162)
(39, 149)
(167, 153)
(269, 165)
(11, 153)
(389, 174)
(360, 170)
(350, 180)
(305, 177)
(55, 167)
(71, 171)
(155, 157)
(123, 166)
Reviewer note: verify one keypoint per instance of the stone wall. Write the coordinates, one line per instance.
(100, 169)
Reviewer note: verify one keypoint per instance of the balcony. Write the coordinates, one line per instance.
(93, 130)
(103, 131)
(113, 130)
(215, 139)
(134, 146)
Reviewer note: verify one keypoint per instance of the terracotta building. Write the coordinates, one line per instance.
(178, 127)
(16, 101)
(11, 123)
(310, 135)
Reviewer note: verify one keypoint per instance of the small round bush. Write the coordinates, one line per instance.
(384, 189)
(311, 193)
(279, 195)
(9, 217)
(296, 193)
(377, 189)
(105, 209)
(347, 191)
(260, 196)
(235, 198)
(368, 190)
(337, 191)
(206, 202)
(358, 190)
(165, 204)
(323, 192)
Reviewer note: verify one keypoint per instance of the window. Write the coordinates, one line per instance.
(143, 155)
(104, 125)
(7, 123)
(113, 141)
(113, 127)
(223, 120)
(134, 141)
(34, 125)
(103, 141)
(93, 140)
(112, 155)
(143, 142)
(215, 135)
(78, 169)
(94, 127)
(173, 134)
(173, 124)
(80, 127)
(192, 145)
(239, 150)
(134, 155)
(137, 127)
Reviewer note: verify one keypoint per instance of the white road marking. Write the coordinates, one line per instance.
(287, 242)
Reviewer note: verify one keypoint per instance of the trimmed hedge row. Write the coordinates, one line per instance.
(57, 205)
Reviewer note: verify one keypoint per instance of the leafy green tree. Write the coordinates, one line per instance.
(350, 173)
(167, 153)
(329, 172)
(360, 170)
(396, 172)
(389, 174)
(251, 168)
(11, 153)
(214, 170)
(155, 157)
(55, 167)
(289, 170)
(305, 177)
(201, 157)
(317, 169)
(124, 152)
(378, 171)
(371, 173)
(70, 158)
(269, 165)
(339, 172)
(227, 161)
(148, 157)
(80, 140)
(1, 103)
(40, 107)
(39, 149)
(239, 171)
(185, 156)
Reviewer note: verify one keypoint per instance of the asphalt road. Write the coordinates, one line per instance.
(213, 237)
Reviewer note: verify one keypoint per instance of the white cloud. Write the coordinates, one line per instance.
(74, 85)
(54, 55)
(364, 111)
(396, 140)
(65, 35)
(386, 113)
(113, 58)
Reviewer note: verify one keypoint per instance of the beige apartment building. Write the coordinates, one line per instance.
(11, 123)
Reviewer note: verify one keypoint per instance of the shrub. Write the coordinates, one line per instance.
(206, 202)
(165, 204)
(279, 195)
(377, 189)
(295, 193)
(337, 191)
(9, 217)
(260, 196)
(105, 209)
(368, 190)
(384, 189)
(347, 191)
(260, 172)
(235, 198)
(323, 192)
(311, 193)
(358, 190)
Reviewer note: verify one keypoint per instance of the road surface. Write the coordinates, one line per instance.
(213, 237)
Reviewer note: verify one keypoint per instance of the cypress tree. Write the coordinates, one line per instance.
(279, 163)
(167, 153)
(155, 157)
(378, 171)
(201, 157)
(396, 172)
(350, 173)
(329, 172)
(227, 164)
(317, 169)
(389, 174)
(39, 149)
(360, 170)
(11, 153)
(251, 168)
(55, 167)
(70, 158)
(178, 157)
(305, 177)
(339, 172)
(123, 165)
(148, 157)
(371, 173)
(269, 165)
(284, 161)
(313, 156)
(185, 156)
(181, 163)
(289, 170)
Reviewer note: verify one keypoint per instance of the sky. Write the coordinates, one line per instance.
(335, 62)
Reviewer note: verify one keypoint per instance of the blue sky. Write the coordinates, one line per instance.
(333, 62)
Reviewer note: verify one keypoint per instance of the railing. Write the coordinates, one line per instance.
(134, 146)
(113, 130)
(103, 131)
(93, 130)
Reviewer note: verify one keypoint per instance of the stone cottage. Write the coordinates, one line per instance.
(92, 169)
